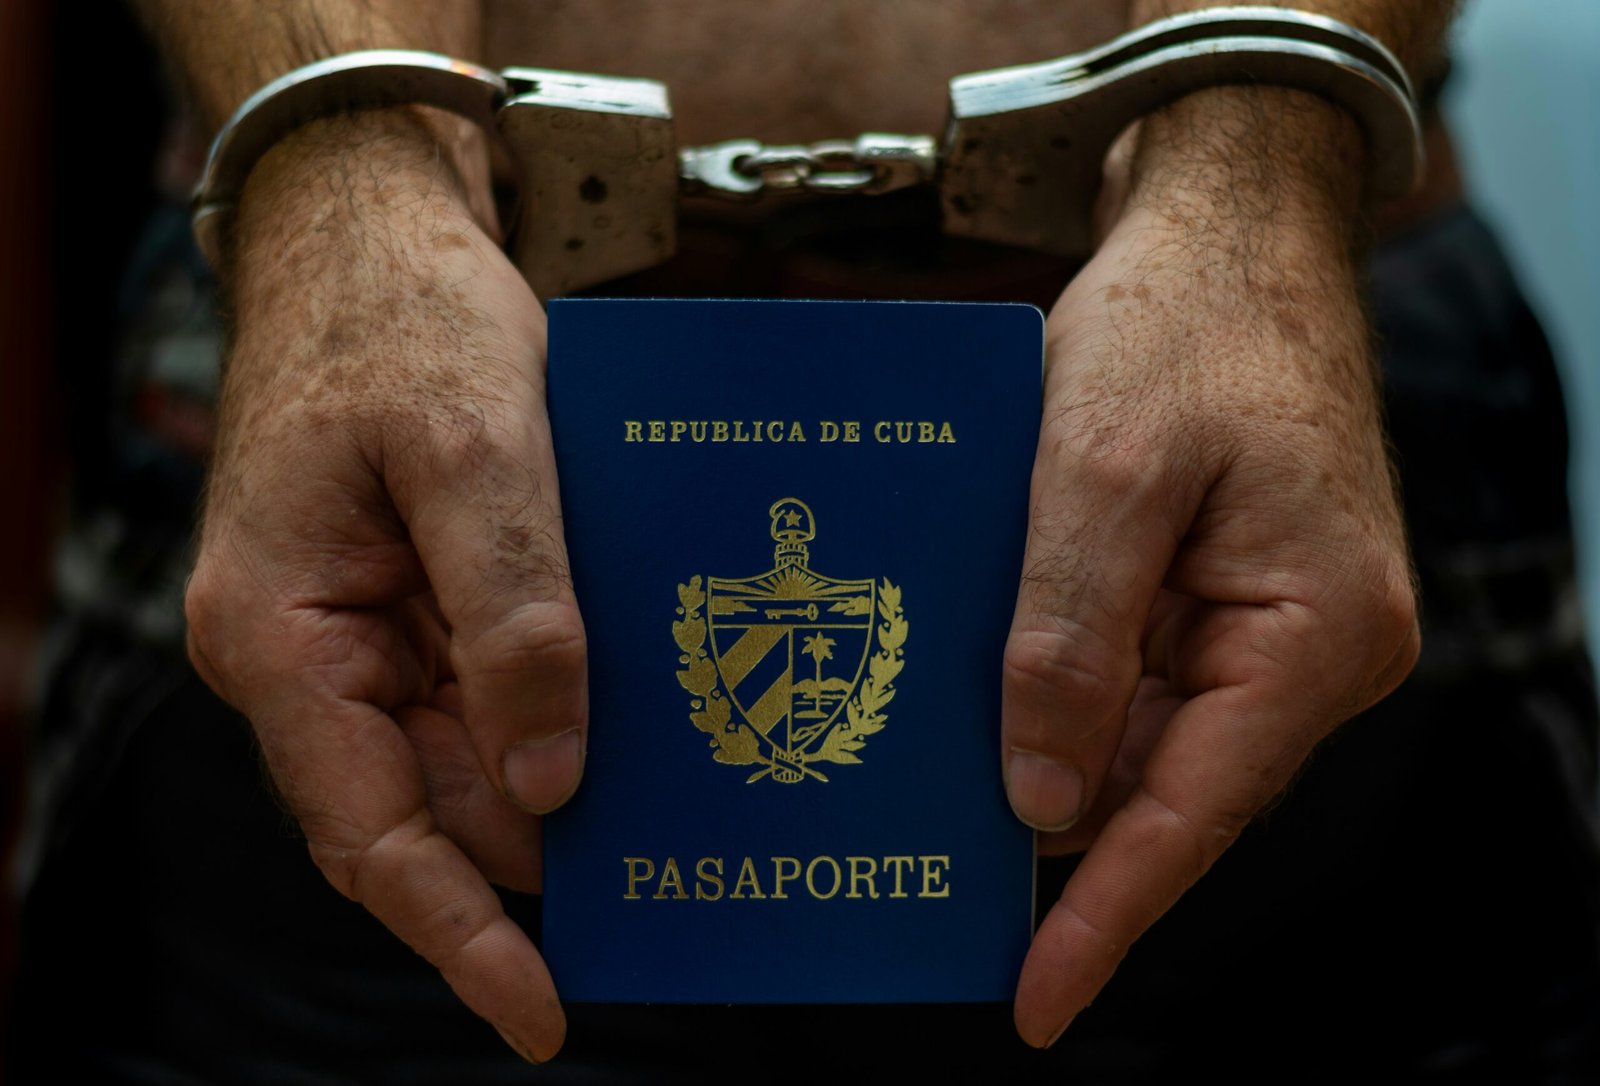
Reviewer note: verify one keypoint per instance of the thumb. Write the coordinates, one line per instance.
(1098, 548)
(485, 519)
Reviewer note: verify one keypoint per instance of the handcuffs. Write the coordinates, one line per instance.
(1020, 163)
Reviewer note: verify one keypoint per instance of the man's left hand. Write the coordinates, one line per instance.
(1216, 572)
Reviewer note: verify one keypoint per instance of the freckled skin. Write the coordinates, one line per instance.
(381, 549)
(1216, 573)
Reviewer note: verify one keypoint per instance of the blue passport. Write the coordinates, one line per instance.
(796, 532)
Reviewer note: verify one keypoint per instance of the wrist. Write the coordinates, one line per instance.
(339, 190)
(1243, 213)
(1251, 171)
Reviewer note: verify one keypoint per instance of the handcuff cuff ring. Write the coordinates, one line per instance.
(1020, 161)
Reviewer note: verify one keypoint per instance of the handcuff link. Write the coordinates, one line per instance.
(1020, 160)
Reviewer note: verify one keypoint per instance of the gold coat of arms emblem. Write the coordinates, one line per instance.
(789, 669)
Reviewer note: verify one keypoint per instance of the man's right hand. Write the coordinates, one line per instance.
(381, 584)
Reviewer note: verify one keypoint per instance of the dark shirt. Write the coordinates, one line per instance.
(1424, 900)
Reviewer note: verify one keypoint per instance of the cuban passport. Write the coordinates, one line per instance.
(796, 532)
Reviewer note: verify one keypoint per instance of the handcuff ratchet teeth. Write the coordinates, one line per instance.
(1021, 160)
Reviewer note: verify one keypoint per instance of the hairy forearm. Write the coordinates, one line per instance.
(225, 49)
(1229, 158)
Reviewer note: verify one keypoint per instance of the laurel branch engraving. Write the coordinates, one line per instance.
(735, 742)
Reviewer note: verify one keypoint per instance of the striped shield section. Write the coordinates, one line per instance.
(790, 647)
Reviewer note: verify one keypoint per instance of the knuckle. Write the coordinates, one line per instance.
(1389, 606)
(357, 864)
(1116, 472)
(530, 556)
(201, 599)
(205, 611)
(472, 442)
(1105, 943)
(1192, 844)
(542, 638)
(1399, 607)
(1071, 669)
(1398, 640)
(1101, 459)
(1403, 620)
(461, 445)
(488, 468)
(452, 937)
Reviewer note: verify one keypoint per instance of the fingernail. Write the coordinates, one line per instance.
(1045, 792)
(1051, 1043)
(517, 1046)
(542, 773)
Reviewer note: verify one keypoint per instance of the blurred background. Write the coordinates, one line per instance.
(1525, 107)
(1524, 101)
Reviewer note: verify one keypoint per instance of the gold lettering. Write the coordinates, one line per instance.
(671, 878)
(636, 875)
(747, 876)
(779, 878)
(858, 876)
(901, 865)
(828, 431)
(706, 876)
(811, 883)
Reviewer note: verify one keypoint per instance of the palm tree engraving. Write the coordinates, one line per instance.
(819, 648)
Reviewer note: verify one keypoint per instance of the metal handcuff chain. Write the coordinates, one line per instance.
(1020, 161)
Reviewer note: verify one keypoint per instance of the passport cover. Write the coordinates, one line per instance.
(796, 531)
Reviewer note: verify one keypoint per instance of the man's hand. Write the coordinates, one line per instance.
(381, 583)
(1216, 572)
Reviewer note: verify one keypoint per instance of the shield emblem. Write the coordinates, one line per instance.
(789, 668)
(790, 647)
